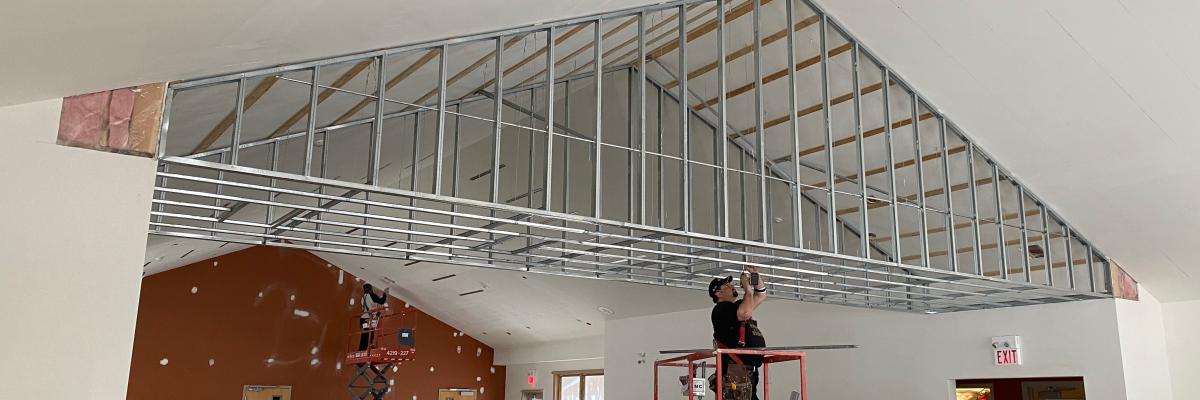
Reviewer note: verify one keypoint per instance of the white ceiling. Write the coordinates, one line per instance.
(60, 48)
(516, 309)
(1091, 103)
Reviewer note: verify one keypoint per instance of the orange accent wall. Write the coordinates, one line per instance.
(271, 316)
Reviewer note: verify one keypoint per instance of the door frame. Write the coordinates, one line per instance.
(246, 387)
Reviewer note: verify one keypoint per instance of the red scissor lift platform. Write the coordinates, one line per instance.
(381, 355)
(769, 357)
(390, 341)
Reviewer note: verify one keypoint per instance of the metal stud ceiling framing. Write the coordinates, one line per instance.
(428, 174)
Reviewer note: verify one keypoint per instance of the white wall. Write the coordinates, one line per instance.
(515, 381)
(902, 356)
(1182, 322)
(546, 358)
(72, 243)
(1144, 347)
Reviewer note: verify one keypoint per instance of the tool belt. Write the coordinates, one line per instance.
(736, 382)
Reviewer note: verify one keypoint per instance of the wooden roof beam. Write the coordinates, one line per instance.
(928, 193)
(491, 55)
(416, 65)
(940, 229)
(988, 246)
(1009, 243)
(666, 22)
(810, 109)
(251, 98)
(850, 139)
(697, 32)
(325, 94)
(568, 57)
(746, 50)
(902, 164)
(814, 60)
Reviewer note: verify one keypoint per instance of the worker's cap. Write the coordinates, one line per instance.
(716, 285)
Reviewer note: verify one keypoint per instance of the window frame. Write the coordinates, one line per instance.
(582, 374)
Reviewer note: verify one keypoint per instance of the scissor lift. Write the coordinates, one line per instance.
(769, 356)
(391, 342)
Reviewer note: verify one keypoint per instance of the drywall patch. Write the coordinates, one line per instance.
(303, 314)
(195, 289)
(164, 361)
(212, 362)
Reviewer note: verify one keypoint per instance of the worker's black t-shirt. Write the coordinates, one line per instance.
(726, 330)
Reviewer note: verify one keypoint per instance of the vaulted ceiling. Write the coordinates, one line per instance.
(1085, 101)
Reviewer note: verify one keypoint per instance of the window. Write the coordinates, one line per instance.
(579, 385)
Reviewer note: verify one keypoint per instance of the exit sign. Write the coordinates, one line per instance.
(1008, 356)
(1006, 350)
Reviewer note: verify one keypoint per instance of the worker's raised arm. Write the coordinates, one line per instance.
(755, 295)
(377, 298)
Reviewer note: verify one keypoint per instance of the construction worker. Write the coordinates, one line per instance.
(734, 325)
(372, 306)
